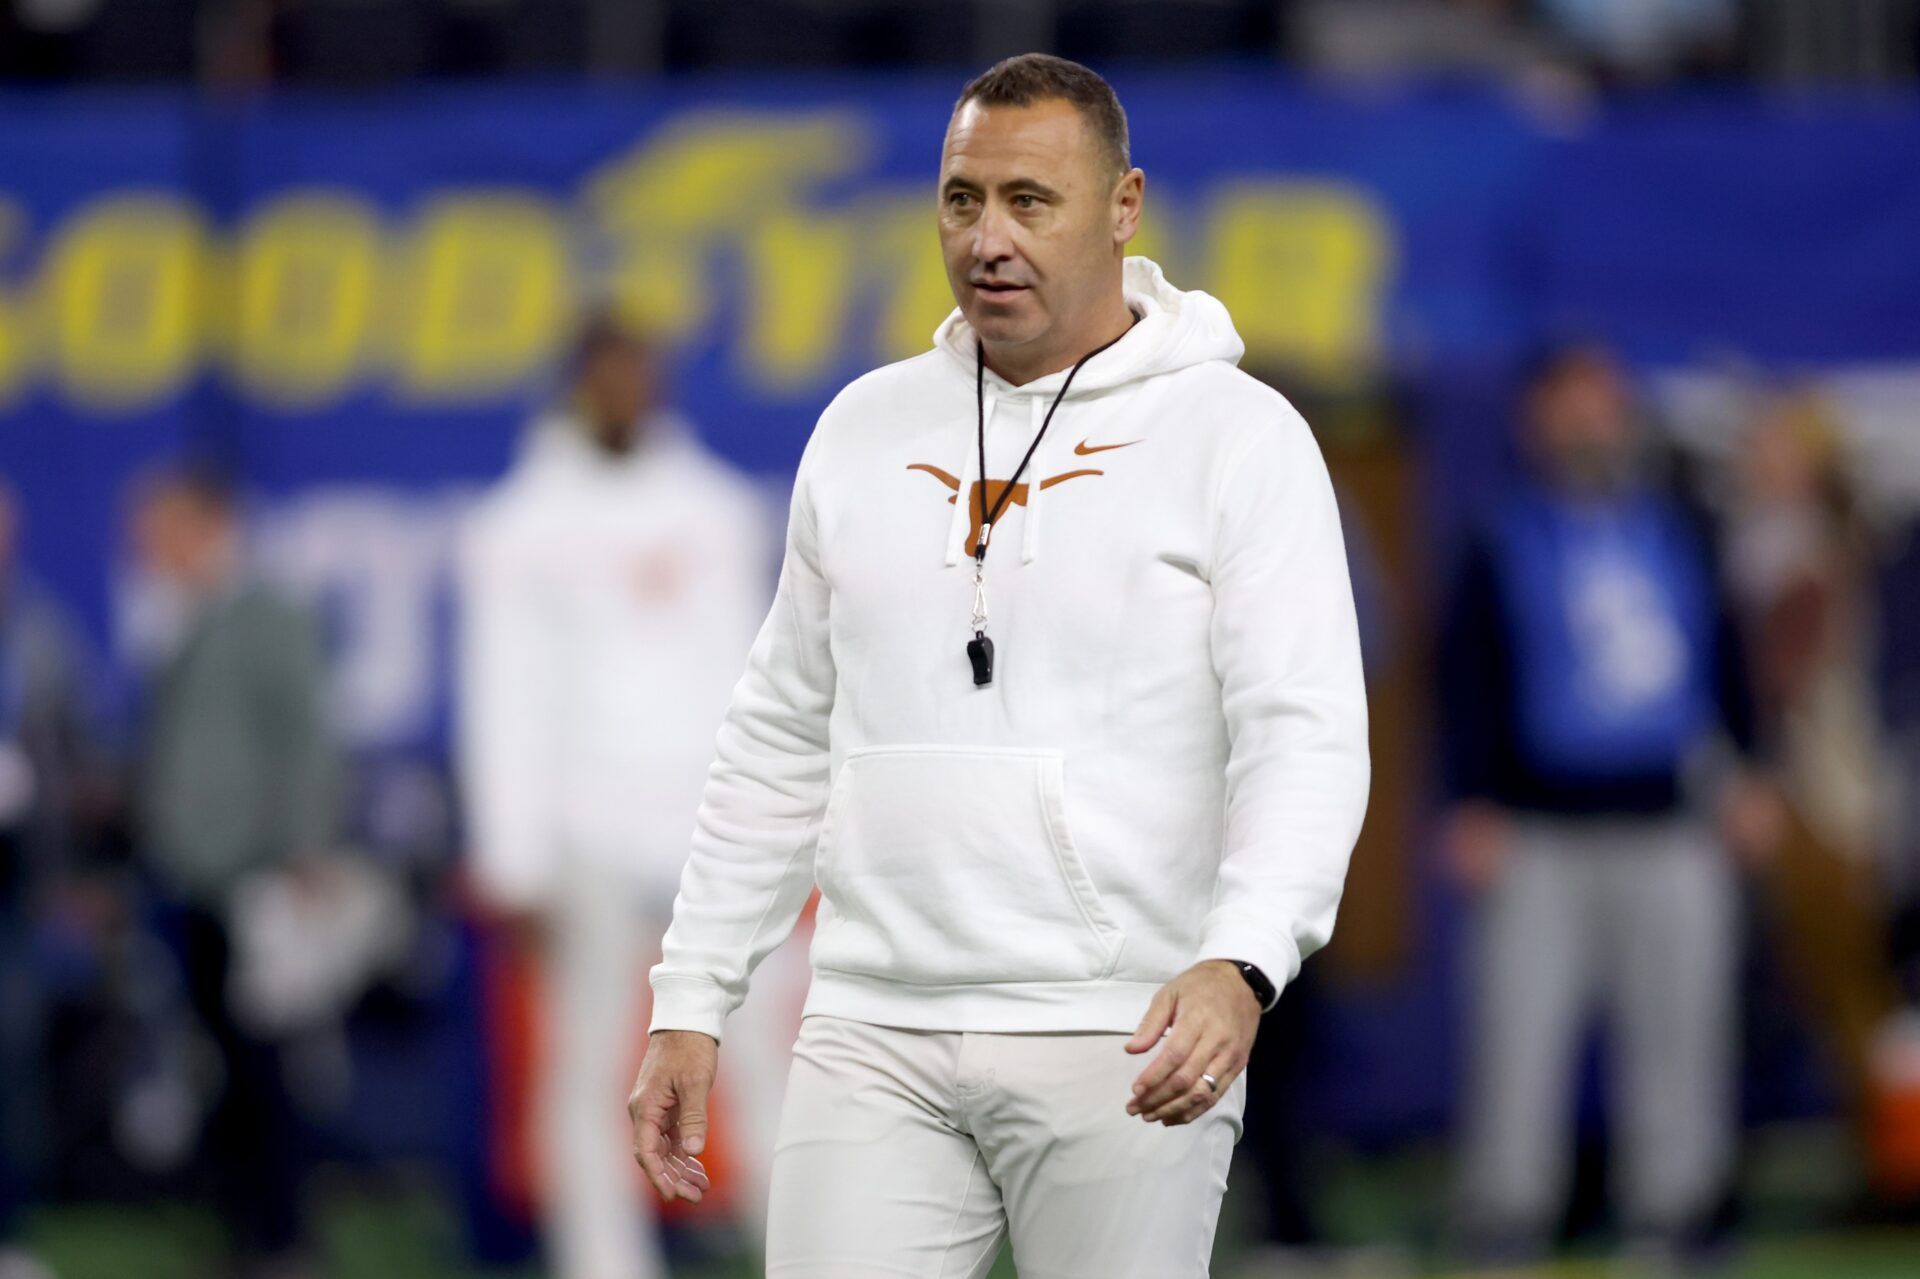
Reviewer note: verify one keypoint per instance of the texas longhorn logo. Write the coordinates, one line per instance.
(996, 487)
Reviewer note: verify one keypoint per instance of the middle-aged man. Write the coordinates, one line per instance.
(1060, 704)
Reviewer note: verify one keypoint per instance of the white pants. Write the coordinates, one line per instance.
(1635, 921)
(907, 1154)
(598, 1214)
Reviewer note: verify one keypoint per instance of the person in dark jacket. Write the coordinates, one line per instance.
(236, 781)
(1589, 669)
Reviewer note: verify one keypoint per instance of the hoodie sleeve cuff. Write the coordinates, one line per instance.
(1267, 949)
(689, 1003)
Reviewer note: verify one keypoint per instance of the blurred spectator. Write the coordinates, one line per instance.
(1387, 37)
(1585, 665)
(1801, 568)
(236, 791)
(1646, 39)
(51, 768)
(610, 586)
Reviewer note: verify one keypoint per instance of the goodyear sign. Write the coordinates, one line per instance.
(375, 289)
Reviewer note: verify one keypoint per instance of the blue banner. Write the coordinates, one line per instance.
(360, 300)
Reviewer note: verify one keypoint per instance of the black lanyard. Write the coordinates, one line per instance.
(980, 648)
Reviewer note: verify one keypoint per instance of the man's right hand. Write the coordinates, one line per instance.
(669, 1111)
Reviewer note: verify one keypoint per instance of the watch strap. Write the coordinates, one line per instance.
(1263, 989)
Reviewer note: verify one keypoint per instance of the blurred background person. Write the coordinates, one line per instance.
(1587, 664)
(1645, 40)
(610, 585)
(1801, 566)
(53, 771)
(236, 782)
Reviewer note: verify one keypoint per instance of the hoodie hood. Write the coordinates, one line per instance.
(1177, 329)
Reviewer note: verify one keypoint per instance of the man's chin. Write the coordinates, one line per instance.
(1001, 329)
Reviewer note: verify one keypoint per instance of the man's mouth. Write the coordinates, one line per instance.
(998, 288)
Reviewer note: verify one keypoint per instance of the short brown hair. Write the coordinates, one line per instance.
(1028, 78)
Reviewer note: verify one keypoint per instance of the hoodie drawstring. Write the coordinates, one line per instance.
(962, 520)
(1030, 536)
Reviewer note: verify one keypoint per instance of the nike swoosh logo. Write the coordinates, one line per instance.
(1083, 448)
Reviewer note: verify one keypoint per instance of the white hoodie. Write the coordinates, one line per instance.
(1170, 764)
(606, 603)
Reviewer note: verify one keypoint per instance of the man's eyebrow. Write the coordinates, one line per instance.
(1012, 186)
(1016, 186)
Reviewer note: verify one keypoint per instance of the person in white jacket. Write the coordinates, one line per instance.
(609, 589)
(1059, 703)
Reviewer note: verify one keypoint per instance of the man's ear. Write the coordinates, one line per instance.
(1128, 195)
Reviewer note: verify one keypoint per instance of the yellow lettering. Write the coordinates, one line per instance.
(912, 276)
(801, 275)
(703, 182)
(1303, 267)
(123, 290)
(308, 280)
(487, 295)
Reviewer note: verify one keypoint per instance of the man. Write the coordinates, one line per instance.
(1586, 668)
(237, 782)
(609, 586)
(1060, 705)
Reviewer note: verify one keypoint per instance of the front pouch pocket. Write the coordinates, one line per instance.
(955, 866)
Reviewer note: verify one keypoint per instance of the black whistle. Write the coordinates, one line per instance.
(980, 653)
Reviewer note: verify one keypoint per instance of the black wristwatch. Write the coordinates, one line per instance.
(1263, 990)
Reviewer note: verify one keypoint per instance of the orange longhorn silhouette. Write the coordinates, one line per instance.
(994, 489)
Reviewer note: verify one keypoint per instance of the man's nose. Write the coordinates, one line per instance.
(992, 237)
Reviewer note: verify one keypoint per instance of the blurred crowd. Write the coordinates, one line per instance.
(253, 43)
(1658, 686)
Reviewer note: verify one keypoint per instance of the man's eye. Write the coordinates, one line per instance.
(1026, 201)
(959, 200)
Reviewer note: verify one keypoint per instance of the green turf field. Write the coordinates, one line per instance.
(409, 1238)
(397, 1226)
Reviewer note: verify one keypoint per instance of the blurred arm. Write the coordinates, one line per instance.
(507, 739)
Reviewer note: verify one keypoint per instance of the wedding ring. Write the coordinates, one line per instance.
(1213, 1085)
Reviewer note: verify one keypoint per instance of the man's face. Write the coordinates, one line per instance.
(175, 537)
(616, 389)
(1582, 424)
(1032, 216)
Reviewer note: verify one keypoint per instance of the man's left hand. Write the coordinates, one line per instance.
(1213, 1016)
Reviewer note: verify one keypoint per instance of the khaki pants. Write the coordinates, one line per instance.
(915, 1153)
